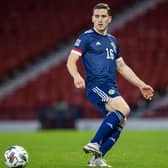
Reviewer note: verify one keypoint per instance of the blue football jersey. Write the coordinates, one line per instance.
(99, 54)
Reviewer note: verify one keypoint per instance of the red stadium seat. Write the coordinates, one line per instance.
(143, 44)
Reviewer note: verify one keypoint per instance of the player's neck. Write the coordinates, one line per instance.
(103, 32)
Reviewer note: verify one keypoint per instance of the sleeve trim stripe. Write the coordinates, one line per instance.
(76, 52)
(77, 49)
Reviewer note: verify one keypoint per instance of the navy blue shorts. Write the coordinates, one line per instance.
(100, 94)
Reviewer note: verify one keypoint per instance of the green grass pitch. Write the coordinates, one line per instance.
(63, 149)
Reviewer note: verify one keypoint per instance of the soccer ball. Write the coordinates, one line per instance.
(16, 157)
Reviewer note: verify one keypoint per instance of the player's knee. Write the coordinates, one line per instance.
(126, 110)
(118, 105)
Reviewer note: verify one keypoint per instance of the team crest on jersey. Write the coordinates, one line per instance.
(77, 42)
(111, 92)
(114, 46)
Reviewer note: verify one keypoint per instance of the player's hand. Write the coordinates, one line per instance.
(79, 82)
(147, 92)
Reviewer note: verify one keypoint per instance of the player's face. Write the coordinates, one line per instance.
(101, 20)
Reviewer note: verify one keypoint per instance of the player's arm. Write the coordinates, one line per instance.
(73, 70)
(128, 73)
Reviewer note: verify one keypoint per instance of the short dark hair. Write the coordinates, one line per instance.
(103, 6)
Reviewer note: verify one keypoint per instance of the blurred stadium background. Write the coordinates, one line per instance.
(36, 91)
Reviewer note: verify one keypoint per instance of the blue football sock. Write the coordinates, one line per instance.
(110, 122)
(111, 140)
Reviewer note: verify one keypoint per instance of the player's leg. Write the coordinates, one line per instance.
(106, 145)
(110, 123)
(117, 110)
(108, 100)
(110, 129)
(109, 142)
(117, 103)
(96, 100)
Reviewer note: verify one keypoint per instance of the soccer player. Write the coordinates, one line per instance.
(101, 58)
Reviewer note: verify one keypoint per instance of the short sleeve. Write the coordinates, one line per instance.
(80, 45)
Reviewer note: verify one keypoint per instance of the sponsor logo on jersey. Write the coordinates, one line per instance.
(111, 92)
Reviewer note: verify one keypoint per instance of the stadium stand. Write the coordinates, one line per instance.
(143, 42)
(30, 28)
